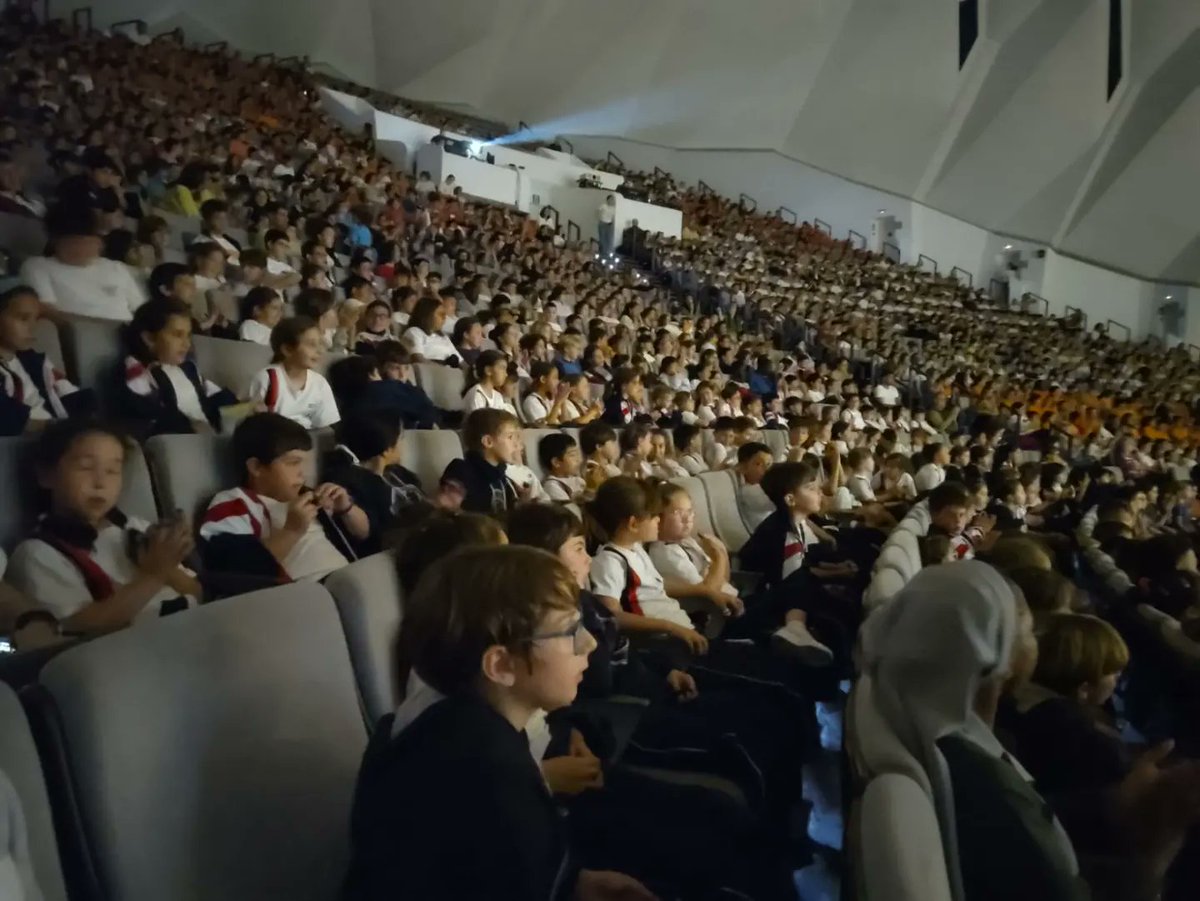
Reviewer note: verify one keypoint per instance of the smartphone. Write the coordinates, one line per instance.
(6, 647)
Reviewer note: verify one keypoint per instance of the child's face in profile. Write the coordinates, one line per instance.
(306, 353)
(644, 445)
(722, 436)
(505, 445)
(806, 499)
(17, 323)
(86, 483)
(951, 520)
(611, 450)
(282, 479)
(270, 314)
(573, 552)
(658, 447)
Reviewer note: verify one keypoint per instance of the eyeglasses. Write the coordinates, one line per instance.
(577, 633)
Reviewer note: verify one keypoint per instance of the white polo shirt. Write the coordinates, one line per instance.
(103, 289)
(479, 398)
(253, 330)
(683, 560)
(610, 577)
(434, 348)
(312, 406)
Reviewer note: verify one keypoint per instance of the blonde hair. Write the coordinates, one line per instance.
(1074, 649)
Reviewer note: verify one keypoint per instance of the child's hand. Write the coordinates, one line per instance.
(301, 513)
(166, 546)
(682, 684)
(605, 885)
(696, 642)
(984, 522)
(524, 492)
(731, 605)
(334, 498)
(450, 496)
(713, 546)
(572, 775)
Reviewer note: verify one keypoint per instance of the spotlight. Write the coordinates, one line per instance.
(476, 148)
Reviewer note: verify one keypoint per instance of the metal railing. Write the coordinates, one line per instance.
(742, 200)
(997, 289)
(704, 188)
(554, 210)
(570, 147)
(922, 258)
(612, 156)
(824, 226)
(268, 57)
(297, 61)
(862, 239)
(787, 215)
(1070, 311)
(573, 230)
(958, 272)
(140, 23)
(1191, 347)
(891, 251)
(82, 13)
(593, 243)
(1029, 297)
(175, 33)
(659, 173)
(219, 47)
(1109, 323)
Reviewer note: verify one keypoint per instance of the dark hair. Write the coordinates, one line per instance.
(287, 333)
(213, 207)
(422, 314)
(266, 437)
(152, 316)
(57, 439)
(440, 534)
(617, 500)
(594, 435)
(684, 435)
(552, 447)
(461, 327)
(349, 377)
(783, 479)
(367, 432)
(273, 236)
(118, 243)
(392, 353)
(8, 296)
(948, 494)
(313, 303)
(252, 256)
(723, 423)
(353, 283)
(479, 424)
(632, 434)
(256, 299)
(546, 526)
(752, 449)
(163, 277)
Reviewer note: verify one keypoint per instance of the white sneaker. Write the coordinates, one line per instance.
(795, 639)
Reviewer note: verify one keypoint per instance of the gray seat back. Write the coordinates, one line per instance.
(368, 598)
(215, 752)
(230, 364)
(19, 762)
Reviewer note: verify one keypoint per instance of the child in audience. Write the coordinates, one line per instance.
(376, 327)
(32, 392)
(87, 563)
(492, 439)
(579, 409)
(261, 308)
(687, 449)
(861, 465)
(635, 450)
(663, 463)
(273, 526)
(895, 481)
(719, 450)
(291, 386)
(691, 565)
(543, 405)
(318, 305)
(367, 463)
(162, 391)
(560, 457)
(950, 524)
(623, 576)
(490, 372)
(494, 635)
(600, 449)
(624, 397)
(753, 461)
(253, 272)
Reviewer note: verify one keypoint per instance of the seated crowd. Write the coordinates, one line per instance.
(832, 390)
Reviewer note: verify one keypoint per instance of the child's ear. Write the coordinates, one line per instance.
(497, 666)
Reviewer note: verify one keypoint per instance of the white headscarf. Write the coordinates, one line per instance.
(951, 629)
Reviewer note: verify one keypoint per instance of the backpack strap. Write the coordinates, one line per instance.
(629, 597)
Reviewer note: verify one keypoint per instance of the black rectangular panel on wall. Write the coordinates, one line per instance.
(968, 28)
(1116, 50)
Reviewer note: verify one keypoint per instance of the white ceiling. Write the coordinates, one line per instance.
(1022, 140)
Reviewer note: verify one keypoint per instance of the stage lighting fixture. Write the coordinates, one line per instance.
(476, 148)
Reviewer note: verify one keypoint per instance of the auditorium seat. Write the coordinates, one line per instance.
(776, 440)
(428, 453)
(47, 341)
(92, 352)
(20, 764)
(898, 843)
(894, 557)
(443, 384)
(23, 237)
(885, 584)
(213, 754)
(21, 507)
(368, 598)
(230, 364)
(721, 491)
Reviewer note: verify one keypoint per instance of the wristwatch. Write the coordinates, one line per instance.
(29, 617)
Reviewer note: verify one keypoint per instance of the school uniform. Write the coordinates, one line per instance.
(669, 468)
(236, 522)
(407, 402)
(618, 411)
(929, 477)
(367, 341)
(486, 486)
(683, 560)
(629, 575)
(436, 348)
(564, 489)
(535, 408)
(164, 399)
(385, 499)
(31, 389)
(313, 405)
(254, 331)
(453, 806)
(693, 463)
(67, 565)
(860, 487)
(480, 398)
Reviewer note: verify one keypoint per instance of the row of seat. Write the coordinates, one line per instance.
(900, 558)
